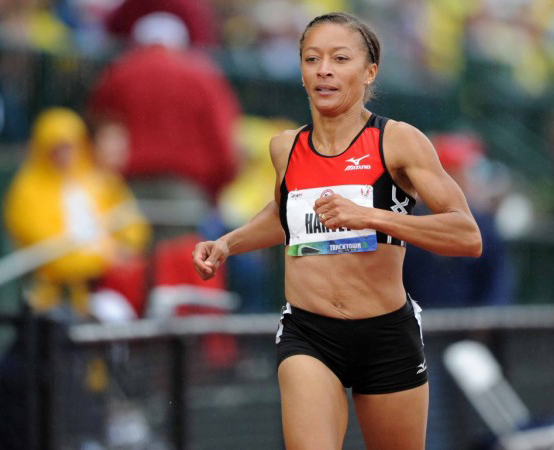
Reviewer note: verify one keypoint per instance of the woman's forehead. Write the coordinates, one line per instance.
(332, 35)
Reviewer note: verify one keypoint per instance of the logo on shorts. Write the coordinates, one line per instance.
(422, 367)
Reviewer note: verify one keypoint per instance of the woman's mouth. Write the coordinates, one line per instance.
(325, 89)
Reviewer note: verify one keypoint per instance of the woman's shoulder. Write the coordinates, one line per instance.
(405, 146)
(403, 131)
(280, 145)
(403, 138)
(285, 137)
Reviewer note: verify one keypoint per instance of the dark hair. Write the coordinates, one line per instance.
(372, 45)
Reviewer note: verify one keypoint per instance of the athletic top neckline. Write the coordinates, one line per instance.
(312, 146)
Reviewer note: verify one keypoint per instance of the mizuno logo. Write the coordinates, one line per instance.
(422, 367)
(356, 164)
(356, 161)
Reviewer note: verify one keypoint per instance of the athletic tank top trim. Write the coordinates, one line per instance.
(359, 173)
(312, 146)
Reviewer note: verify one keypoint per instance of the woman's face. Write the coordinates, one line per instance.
(111, 146)
(63, 155)
(335, 68)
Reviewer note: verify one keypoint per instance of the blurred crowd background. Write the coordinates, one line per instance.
(179, 99)
(132, 129)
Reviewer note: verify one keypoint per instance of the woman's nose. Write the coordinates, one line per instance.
(324, 68)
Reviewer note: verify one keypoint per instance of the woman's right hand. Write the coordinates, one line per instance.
(208, 256)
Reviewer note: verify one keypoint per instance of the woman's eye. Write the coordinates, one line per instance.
(310, 59)
(341, 58)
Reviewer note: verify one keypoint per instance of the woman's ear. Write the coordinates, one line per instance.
(371, 73)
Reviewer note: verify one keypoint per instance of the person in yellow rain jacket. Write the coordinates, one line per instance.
(61, 195)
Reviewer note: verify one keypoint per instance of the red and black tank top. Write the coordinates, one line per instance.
(359, 174)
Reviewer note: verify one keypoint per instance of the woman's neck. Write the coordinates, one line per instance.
(331, 135)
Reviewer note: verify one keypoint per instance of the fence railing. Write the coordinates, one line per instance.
(203, 383)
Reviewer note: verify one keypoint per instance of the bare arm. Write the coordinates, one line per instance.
(262, 231)
(450, 230)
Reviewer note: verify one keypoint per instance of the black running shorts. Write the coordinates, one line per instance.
(377, 355)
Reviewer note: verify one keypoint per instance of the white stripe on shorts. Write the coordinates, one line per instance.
(417, 313)
(285, 310)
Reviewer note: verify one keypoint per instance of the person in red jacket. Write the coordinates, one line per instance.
(176, 104)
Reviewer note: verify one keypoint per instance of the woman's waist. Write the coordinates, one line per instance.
(352, 285)
(346, 305)
(397, 314)
(344, 292)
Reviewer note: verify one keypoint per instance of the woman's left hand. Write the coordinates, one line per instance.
(335, 211)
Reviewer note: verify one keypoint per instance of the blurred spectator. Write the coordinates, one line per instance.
(199, 18)
(439, 281)
(86, 19)
(177, 106)
(60, 196)
(32, 24)
(279, 28)
(14, 95)
(263, 35)
(447, 19)
(165, 109)
(508, 35)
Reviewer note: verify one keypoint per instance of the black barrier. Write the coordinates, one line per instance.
(201, 383)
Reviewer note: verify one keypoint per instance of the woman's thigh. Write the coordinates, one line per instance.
(313, 405)
(395, 421)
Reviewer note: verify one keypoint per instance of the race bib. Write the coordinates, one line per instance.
(308, 236)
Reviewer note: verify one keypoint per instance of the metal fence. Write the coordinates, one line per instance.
(202, 383)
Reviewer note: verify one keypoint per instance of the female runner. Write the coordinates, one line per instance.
(345, 189)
